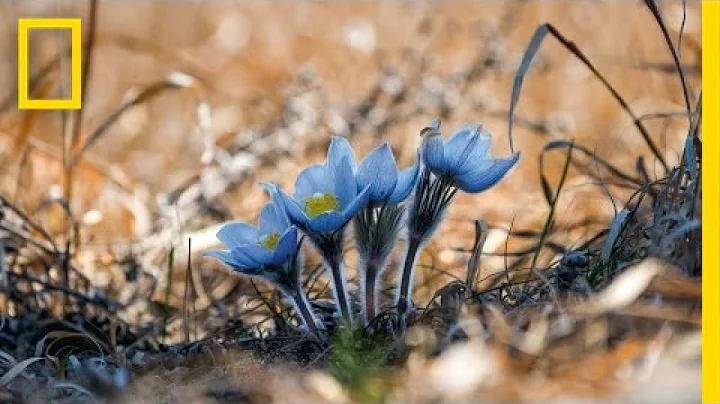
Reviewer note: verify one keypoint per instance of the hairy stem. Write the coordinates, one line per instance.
(331, 247)
(405, 291)
(304, 310)
(370, 294)
(340, 288)
(376, 231)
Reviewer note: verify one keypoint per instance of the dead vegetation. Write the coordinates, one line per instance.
(586, 285)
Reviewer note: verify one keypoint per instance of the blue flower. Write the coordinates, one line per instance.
(326, 196)
(253, 250)
(271, 251)
(466, 159)
(378, 223)
(379, 171)
(463, 163)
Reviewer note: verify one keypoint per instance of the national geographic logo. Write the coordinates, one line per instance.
(24, 27)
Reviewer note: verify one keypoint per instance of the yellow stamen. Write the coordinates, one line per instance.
(270, 241)
(320, 203)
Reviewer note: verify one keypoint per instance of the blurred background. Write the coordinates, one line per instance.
(188, 105)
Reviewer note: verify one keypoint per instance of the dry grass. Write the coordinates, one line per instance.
(266, 86)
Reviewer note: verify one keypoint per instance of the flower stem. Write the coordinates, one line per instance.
(341, 295)
(370, 295)
(331, 247)
(405, 292)
(304, 310)
(376, 231)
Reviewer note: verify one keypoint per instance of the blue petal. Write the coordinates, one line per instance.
(339, 149)
(486, 175)
(344, 180)
(466, 147)
(271, 221)
(253, 254)
(380, 172)
(313, 179)
(407, 179)
(236, 233)
(460, 140)
(432, 151)
(223, 256)
(358, 203)
(287, 246)
(294, 210)
(230, 260)
(273, 190)
(328, 222)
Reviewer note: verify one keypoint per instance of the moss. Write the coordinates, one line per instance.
(358, 362)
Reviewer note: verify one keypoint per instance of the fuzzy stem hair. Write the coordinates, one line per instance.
(433, 195)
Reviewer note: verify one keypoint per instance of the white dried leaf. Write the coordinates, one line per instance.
(627, 287)
(461, 370)
(180, 79)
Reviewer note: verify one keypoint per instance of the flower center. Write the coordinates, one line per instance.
(270, 241)
(319, 203)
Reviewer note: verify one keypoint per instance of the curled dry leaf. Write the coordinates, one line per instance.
(626, 288)
(458, 372)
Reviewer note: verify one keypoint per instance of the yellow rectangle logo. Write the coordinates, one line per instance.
(24, 27)
(710, 202)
